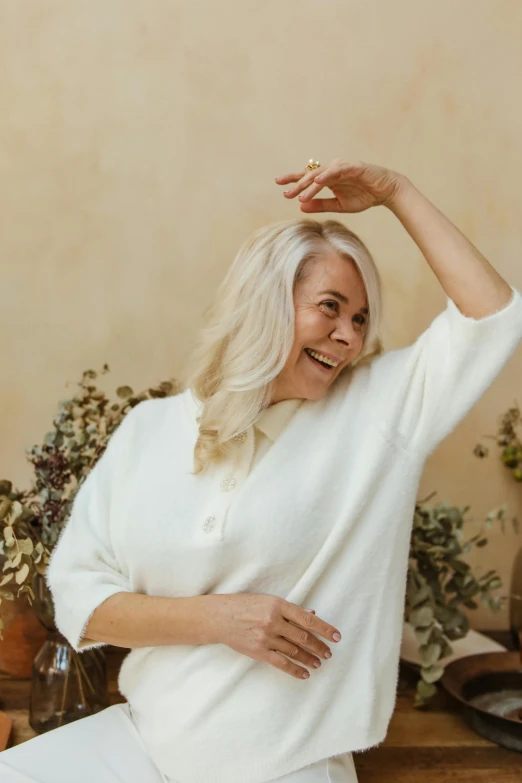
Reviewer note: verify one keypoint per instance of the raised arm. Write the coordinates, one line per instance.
(431, 384)
(466, 276)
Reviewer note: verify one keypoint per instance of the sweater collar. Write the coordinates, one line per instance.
(274, 419)
(270, 422)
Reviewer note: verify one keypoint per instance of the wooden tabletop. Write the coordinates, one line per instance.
(432, 745)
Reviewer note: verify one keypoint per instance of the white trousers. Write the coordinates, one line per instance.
(107, 748)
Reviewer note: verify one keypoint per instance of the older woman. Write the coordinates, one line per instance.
(249, 537)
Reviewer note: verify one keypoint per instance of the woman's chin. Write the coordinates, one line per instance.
(314, 391)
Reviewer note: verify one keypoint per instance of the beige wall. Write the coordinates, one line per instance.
(138, 144)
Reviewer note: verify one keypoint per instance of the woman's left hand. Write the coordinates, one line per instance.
(355, 185)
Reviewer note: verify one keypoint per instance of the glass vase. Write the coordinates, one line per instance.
(66, 685)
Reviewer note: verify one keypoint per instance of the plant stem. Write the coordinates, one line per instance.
(76, 660)
(64, 689)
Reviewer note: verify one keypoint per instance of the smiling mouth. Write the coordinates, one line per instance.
(326, 368)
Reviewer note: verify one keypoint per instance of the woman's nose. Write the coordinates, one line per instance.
(346, 333)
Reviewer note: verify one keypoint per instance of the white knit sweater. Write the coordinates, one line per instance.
(323, 520)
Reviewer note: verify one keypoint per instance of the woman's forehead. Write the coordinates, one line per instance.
(340, 278)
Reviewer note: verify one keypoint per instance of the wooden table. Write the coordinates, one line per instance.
(432, 745)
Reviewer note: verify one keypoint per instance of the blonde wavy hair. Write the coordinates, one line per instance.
(250, 327)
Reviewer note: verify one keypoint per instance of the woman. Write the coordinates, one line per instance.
(249, 537)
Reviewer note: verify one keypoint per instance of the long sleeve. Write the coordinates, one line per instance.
(83, 570)
(428, 387)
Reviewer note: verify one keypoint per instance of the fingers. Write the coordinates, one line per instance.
(307, 641)
(311, 191)
(296, 634)
(285, 665)
(329, 175)
(309, 184)
(302, 178)
(321, 205)
(292, 650)
(295, 614)
(286, 178)
(318, 178)
(337, 170)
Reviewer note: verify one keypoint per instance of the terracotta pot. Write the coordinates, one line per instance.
(23, 635)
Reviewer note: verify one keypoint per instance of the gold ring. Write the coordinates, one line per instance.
(312, 164)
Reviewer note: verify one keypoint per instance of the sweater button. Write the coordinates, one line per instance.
(209, 524)
(228, 483)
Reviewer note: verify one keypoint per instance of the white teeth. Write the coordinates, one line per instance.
(321, 357)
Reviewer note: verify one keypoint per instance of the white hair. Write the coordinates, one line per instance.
(250, 326)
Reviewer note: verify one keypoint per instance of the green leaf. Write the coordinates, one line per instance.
(426, 690)
(432, 673)
(423, 594)
(423, 635)
(429, 654)
(422, 617)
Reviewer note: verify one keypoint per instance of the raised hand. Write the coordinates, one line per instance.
(356, 186)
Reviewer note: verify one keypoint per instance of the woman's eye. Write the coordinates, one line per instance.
(362, 319)
(335, 304)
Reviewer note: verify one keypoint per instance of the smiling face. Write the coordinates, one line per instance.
(331, 324)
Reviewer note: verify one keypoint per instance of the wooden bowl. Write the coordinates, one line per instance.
(489, 687)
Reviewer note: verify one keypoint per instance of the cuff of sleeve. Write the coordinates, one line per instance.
(72, 623)
(509, 310)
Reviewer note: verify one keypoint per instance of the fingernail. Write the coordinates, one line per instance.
(336, 636)
(310, 610)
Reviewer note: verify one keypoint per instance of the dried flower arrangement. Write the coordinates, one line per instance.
(509, 439)
(31, 520)
(438, 581)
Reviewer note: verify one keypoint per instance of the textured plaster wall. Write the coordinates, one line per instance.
(138, 145)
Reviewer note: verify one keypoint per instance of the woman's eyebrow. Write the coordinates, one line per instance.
(343, 298)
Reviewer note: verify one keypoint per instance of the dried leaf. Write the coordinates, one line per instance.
(6, 488)
(22, 574)
(5, 505)
(26, 546)
(16, 510)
